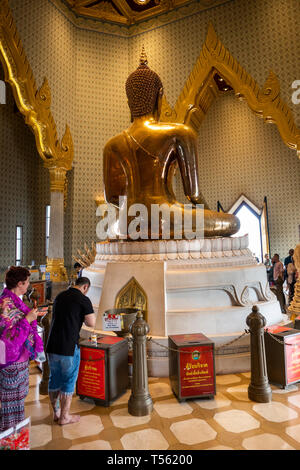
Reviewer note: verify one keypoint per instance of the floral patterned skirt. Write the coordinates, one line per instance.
(14, 387)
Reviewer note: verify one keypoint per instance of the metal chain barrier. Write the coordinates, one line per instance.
(149, 338)
(278, 340)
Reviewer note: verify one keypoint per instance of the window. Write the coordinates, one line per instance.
(19, 244)
(47, 228)
(254, 222)
(250, 225)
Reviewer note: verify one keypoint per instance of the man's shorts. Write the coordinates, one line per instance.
(63, 372)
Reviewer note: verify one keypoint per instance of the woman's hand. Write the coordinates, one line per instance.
(4, 306)
(32, 315)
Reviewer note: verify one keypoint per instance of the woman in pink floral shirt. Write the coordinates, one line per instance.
(20, 343)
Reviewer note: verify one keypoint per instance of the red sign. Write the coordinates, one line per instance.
(196, 371)
(277, 329)
(292, 358)
(91, 377)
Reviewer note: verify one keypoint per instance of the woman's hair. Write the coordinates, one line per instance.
(14, 275)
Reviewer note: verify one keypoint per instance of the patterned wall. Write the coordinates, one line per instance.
(238, 153)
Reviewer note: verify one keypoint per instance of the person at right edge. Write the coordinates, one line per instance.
(71, 309)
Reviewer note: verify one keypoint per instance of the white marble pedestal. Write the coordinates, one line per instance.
(207, 289)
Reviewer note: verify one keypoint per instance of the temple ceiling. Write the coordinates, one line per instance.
(129, 17)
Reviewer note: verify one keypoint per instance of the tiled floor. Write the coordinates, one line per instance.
(229, 421)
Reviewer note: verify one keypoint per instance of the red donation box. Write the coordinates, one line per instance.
(282, 356)
(192, 366)
(103, 371)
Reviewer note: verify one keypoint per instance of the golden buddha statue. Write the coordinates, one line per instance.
(140, 163)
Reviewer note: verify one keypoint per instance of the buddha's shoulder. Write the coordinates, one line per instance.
(115, 143)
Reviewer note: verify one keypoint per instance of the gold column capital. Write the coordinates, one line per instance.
(57, 179)
(57, 270)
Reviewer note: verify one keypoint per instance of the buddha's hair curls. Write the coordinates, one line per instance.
(142, 87)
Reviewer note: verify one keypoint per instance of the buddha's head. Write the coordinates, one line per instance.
(144, 90)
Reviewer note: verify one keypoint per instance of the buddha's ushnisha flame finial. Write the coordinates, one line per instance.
(143, 57)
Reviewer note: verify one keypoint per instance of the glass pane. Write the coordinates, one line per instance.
(18, 250)
(19, 232)
(250, 225)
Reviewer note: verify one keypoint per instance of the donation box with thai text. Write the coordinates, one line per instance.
(103, 372)
(282, 355)
(192, 366)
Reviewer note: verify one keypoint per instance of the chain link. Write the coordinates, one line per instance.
(189, 352)
(278, 340)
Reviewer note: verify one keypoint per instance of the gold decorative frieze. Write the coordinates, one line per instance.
(201, 89)
(34, 103)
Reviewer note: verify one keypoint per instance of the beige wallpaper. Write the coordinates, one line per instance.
(237, 152)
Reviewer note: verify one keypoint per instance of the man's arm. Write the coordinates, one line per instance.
(90, 320)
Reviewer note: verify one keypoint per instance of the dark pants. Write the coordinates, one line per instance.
(279, 293)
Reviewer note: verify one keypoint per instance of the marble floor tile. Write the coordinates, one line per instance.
(172, 408)
(227, 379)
(294, 432)
(160, 389)
(275, 411)
(239, 392)
(93, 445)
(236, 421)
(78, 406)
(220, 448)
(147, 439)
(86, 426)
(38, 411)
(266, 442)
(219, 401)
(122, 419)
(193, 431)
(40, 435)
(295, 400)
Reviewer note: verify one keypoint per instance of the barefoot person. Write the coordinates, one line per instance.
(70, 310)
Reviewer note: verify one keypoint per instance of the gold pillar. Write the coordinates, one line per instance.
(55, 259)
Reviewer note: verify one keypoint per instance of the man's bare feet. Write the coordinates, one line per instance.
(69, 419)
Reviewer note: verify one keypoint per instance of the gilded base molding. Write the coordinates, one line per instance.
(57, 270)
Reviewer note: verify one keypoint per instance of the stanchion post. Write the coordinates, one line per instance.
(259, 389)
(140, 402)
(46, 322)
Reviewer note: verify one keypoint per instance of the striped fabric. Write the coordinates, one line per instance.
(14, 387)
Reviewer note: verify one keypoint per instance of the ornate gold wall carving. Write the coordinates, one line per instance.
(132, 295)
(32, 102)
(201, 90)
